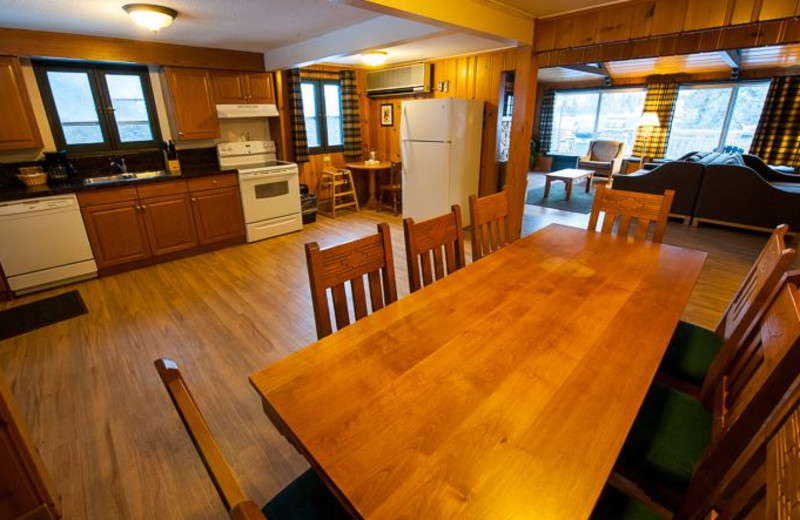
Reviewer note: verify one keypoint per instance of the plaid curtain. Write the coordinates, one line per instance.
(546, 121)
(351, 122)
(777, 136)
(660, 99)
(298, 119)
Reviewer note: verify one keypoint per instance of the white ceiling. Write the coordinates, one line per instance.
(251, 25)
(446, 45)
(553, 7)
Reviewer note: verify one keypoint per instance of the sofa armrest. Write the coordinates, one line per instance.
(683, 178)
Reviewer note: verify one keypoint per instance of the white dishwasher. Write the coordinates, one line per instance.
(43, 242)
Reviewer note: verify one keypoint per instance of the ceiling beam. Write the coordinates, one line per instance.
(377, 33)
(471, 16)
(589, 69)
(733, 58)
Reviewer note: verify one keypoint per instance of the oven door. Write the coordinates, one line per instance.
(270, 195)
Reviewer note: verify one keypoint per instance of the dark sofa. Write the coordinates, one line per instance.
(733, 189)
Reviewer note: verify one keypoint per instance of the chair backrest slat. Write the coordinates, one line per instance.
(629, 206)
(424, 244)
(490, 223)
(335, 266)
(762, 279)
(225, 480)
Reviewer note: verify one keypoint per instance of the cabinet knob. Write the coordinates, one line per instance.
(143, 207)
(180, 133)
(194, 199)
(214, 181)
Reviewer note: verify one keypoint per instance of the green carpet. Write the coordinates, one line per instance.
(581, 202)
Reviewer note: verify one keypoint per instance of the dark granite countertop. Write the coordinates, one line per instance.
(20, 191)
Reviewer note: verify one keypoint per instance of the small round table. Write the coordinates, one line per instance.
(372, 170)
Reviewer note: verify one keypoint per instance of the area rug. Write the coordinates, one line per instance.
(35, 315)
(581, 202)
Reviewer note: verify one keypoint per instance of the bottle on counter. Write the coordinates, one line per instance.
(173, 164)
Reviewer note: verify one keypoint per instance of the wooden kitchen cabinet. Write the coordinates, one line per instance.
(232, 87)
(170, 224)
(218, 215)
(191, 103)
(117, 233)
(774, 9)
(19, 129)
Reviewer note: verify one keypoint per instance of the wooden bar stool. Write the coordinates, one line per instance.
(338, 184)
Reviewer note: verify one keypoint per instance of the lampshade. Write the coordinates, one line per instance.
(374, 58)
(151, 17)
(649, 119)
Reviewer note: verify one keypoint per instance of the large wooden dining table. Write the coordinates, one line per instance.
(505, 390)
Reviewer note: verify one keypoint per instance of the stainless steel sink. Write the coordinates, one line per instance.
(132, 176)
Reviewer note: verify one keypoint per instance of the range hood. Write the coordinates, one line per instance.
(246, 111)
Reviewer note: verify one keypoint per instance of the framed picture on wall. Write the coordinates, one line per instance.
(387, 114)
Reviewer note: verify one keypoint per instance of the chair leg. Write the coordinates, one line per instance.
(394, 202)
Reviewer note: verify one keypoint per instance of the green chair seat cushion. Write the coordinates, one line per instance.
(690, 352)
(306, 498)
(670, 434)
(613, 504)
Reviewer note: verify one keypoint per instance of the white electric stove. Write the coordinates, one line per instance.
(270, 188)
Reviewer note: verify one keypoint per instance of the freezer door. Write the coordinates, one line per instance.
(425, 120)
(426, 179)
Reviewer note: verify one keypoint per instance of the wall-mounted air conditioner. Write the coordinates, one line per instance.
(410, 79)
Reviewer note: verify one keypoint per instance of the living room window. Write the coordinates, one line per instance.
(322, 108)
(712, 117)
(580, 117)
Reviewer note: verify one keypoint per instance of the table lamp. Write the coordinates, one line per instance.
(648, 121)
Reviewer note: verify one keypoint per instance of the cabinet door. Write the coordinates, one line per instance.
(170, 225)
(117, 233)
(259, 88)
(218, 214)
(19, 129)
(194, 111)
(229, 87)
(774, 9)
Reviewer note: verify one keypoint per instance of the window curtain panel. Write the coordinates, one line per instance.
(777, 136)
(297, 117)
(546, 121)
(660, 98)
(351, 120)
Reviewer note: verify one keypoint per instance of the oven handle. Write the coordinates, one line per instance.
(268, 176)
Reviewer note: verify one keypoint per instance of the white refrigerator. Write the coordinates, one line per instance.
(440, 141)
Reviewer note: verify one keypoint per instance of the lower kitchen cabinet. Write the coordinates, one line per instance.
(170, 224)
(218, 214)
(117, 233)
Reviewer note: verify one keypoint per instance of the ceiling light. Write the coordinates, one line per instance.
(374, 58)
(151, 17)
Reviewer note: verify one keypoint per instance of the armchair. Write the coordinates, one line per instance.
(604, 157)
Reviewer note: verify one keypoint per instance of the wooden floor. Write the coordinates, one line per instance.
(103, 422)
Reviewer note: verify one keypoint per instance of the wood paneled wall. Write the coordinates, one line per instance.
(476, 76)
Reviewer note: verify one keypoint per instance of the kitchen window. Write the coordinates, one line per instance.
(322, 108)
(715, 117)
(582, 116)
(98, 107)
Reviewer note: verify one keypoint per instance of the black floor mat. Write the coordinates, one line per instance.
(35, 315)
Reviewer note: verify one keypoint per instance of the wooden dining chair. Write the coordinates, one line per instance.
(331, 268)
(490, 226)
(26, 490)
(306, 497)
(676, 450)
(393, 189)
(432, 237)
(629, 207)
(696, 356)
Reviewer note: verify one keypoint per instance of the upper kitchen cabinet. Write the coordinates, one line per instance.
(231, 87)
(19, 129)
(191, 101)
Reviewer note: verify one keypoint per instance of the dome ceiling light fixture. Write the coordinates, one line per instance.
(374, 58)
(151, 17)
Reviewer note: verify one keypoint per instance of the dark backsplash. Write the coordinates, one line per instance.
(199, 161)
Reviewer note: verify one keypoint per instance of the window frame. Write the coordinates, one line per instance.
(600, 91)
(96, 73)
(732, 99)
(322, 117)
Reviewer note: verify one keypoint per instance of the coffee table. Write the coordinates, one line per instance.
(568, 176)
